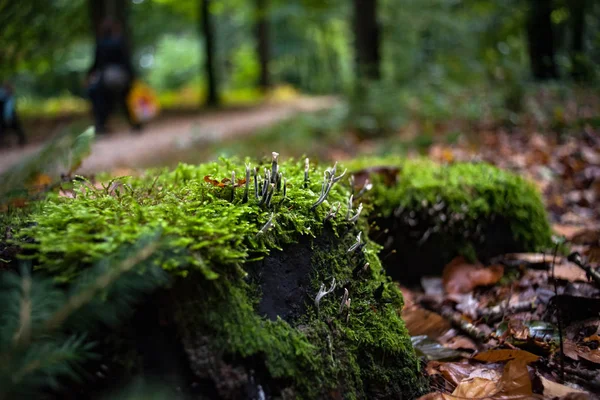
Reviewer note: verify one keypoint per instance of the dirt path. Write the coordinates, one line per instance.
(167, 136)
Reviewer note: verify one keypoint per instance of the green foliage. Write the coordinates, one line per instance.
(43, 326)
(177, 62)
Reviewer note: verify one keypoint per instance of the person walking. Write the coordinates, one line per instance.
(110, 78)
(8, 113)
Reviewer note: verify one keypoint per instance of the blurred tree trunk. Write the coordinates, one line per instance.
(366, 40)
(579, 70)
(118, 10)
(263, 43)
(540, 37)
(207, 30)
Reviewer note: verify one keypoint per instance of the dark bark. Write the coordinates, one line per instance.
(367, 39)
(540, 35)
(118, 10)
(207, 31)
(263, 43)
(577, 53)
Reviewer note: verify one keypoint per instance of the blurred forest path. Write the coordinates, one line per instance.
(165, 137)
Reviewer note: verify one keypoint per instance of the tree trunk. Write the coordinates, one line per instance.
(541, 40)
(579, 71)
(262, 42)
(367, 37)
(118, 10)
(207, 30)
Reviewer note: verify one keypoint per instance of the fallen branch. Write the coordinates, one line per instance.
(576, 259)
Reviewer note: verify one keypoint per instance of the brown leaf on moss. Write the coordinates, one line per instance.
(225, 182)
(210, 180)
(387, 173)
(459, 276)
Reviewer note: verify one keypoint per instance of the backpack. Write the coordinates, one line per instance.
(115, 77)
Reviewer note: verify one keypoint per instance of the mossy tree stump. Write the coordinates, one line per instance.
(249, 259)
(250, 254)
(426, 214)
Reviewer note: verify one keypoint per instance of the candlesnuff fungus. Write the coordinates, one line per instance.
(344, 300)
(247, 188)
(324, 292)
(267, 226)
(333, 211)
(349, 216)
(306, 167)
(274, 167)
(356, 245)
(329, 180)
(256, 182)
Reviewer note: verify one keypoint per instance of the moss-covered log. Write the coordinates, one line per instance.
(427, 214)
(273, 291)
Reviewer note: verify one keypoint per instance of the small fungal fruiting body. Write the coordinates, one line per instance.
(333, 211)
(357, 245)
(274, 167)
(256, 182)
(267, 226)
(247, 186)
(344, 300)
(324, 292)
(328, 182)
(306, 168)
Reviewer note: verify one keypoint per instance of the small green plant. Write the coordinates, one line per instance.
(43, 326)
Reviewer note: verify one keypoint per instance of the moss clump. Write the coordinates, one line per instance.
(435, 212)
(218, 247)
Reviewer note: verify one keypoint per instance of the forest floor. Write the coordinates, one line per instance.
(527, 326)
(173, 133)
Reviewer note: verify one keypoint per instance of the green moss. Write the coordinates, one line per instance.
(211, 241)
(461, 199)
(204, 227)
(366, 354)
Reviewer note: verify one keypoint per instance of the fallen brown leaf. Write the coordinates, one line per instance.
(459, 276)
(553, 389)
(500, 355)
(577, 352)
(570, 272)
(419, 321)
(515, 380)
(476, 388)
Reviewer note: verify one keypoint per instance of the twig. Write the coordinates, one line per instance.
(497, 312)
(457, 321)
(559, 318)
(576, 259)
